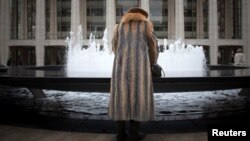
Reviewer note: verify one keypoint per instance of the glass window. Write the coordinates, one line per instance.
(159, 17)
(58, 17)
(230, 19)
(63, 18)
(23, 19)
(96, 17)
(205, 19)
(190, 9)
(31, 20)
(196, 19)
(122, 7)
(47, 20)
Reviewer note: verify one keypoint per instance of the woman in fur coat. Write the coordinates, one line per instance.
(131, 92)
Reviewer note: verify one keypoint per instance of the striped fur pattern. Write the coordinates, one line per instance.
(131, 92)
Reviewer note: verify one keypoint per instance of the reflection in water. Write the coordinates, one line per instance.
(189, 105)
(240, 72)
(40, 73)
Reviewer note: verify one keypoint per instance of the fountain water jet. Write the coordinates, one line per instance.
(176, 58)
(179, 57)
(88, 60)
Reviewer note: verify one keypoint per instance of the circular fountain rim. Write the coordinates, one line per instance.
(47, 67)
(210, 67)
(226, 67)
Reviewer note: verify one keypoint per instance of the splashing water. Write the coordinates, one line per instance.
(176, 58)
(179, 57)
(90, 59)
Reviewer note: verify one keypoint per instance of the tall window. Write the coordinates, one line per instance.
(58, 17)
(159, 17)
(230, 19)
(205, 20)
(23, 17)
(63, 18)
(96, 17)
(190, 15)
(196, 19)
(122, 7)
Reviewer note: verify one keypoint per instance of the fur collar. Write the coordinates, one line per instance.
(133, 17)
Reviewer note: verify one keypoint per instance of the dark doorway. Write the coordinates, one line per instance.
(55, 55)
(206, 52)
(22, 55)
(226, 54)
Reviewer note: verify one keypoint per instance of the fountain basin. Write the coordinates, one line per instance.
(56, 78)
(226, 67)
(210, 67)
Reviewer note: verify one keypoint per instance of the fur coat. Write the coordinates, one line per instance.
(135, 49)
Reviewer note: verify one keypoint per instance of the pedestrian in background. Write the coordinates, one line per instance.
(239, 57)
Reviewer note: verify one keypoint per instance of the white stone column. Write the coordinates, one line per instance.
(75, 15)
(110, 20)
(40, 32)
(53, 19)
(83, 17)
(213, 31)
(246, 29)
(145, 5)
(171, 19)
(200, 20)
(179, 19)
(5, 31)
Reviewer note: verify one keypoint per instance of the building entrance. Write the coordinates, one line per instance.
(55, 55)
(226, 54)
(22, 55)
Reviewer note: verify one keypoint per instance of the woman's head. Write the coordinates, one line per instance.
(239, 50)
(138, 10)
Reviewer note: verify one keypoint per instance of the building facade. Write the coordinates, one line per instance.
(33, 32)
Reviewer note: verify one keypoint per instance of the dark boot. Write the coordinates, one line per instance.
(121, 134)
(134, 134)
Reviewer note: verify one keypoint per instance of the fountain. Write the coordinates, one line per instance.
(89, 67)
(176, 58)
(92, 59)
(179, 58)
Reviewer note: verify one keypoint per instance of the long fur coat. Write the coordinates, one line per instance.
(135, 49)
